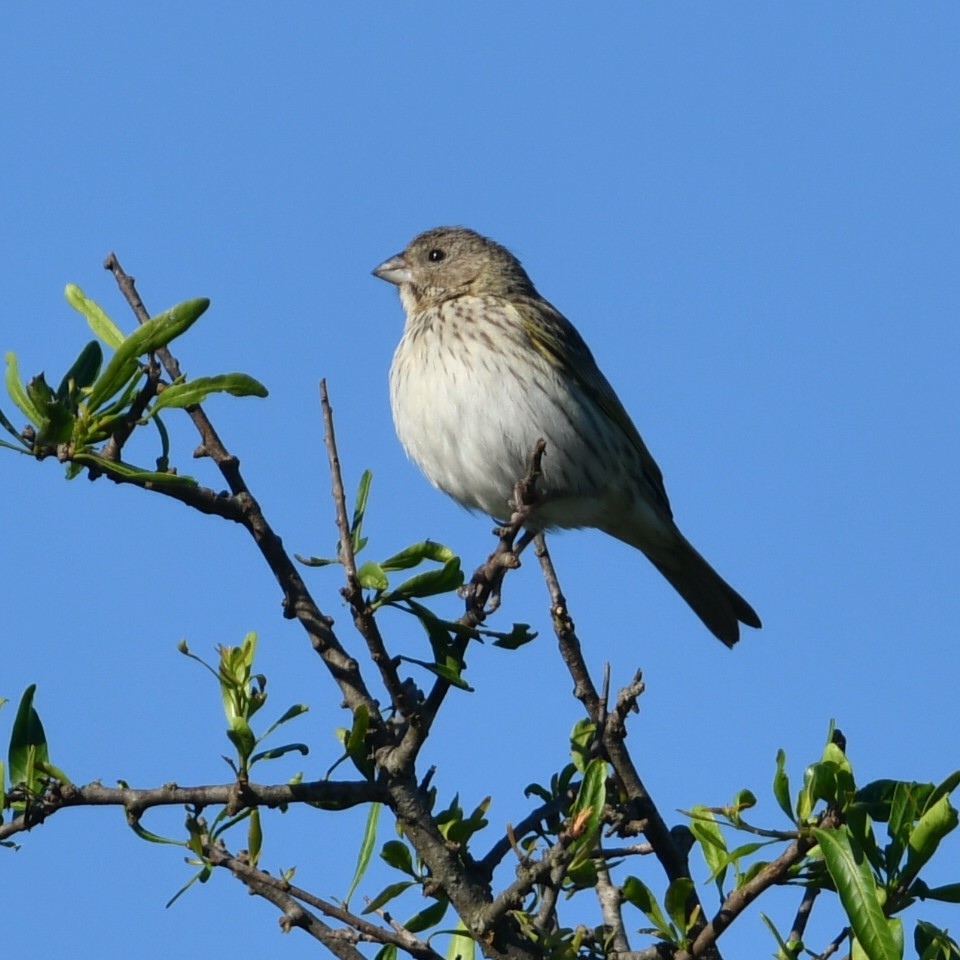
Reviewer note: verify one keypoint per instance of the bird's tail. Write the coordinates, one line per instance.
(712, 599)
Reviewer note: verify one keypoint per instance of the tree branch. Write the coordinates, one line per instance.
(353, 593)
(290, 899)
(336, 794)
(243, 508)
(773, 873)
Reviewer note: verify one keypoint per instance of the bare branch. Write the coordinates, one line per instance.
(803, 913)
(773, 873)
(290, 898)
(337, 794)
(612, 731)
(353, 593)
(611, 901)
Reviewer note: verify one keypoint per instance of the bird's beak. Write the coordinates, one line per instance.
(395, 270)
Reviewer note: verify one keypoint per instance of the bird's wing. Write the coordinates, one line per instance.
(556, 339)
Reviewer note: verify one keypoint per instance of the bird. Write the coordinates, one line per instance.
(485, 368)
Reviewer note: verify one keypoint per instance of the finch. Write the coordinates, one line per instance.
(485, 368)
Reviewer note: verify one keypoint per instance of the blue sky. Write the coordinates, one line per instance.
(751, 213)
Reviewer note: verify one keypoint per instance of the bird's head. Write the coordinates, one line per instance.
(448, 262)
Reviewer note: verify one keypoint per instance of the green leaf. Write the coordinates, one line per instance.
(397, 854)
(129, 472)
(428, 917)
(28, 755)
(459, 829)
(641, 896)
(356, 742)
(254, 837)
(298, 709)
(447, 672)
(445, 580)
(196, 391)
(948, 893)
(462, 945)
(857, 889)
(416, 553)
(366, 851)
(99, 322)
(241, 736)
(359, 510)
(932, 943)
(157, 332)
(581, 743)
(788, 951)
(145, 834)
(675, 900)
(877, 796)
(56, 425)
(904, 810)
(387, 894)
(12, 430)
(372, 577)
(275, 753)
(203, 875)
(316, 561)
(587, 809)
(944, 789)
(519, 635)
(860, 827)
(712, 844)
(937, 821)
(17, 392)
(83, 372)
(751, 872)
(781, 785)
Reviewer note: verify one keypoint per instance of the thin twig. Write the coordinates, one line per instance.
(612, 729)
(803, 914)
(834, 944)
(353, 592)
(289, 897)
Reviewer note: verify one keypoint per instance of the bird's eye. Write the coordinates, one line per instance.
(435, 256)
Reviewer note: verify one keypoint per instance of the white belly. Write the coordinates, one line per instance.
(469, 418)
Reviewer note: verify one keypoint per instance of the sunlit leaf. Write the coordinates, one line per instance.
(157, 332)
(130, 472)
(196, 391)
(935, 823)
(17, 392)
(99, 322)
(366, 851)
(851, 873)
(641, 896)
(675, 900)
(387, 894)
(781, 785)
